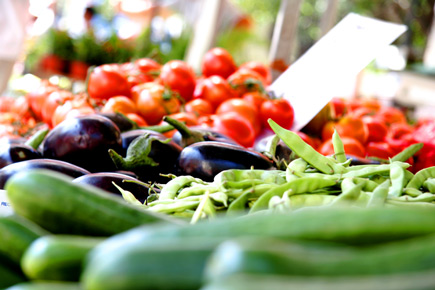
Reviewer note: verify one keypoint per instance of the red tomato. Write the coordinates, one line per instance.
(148, 66)
(6, 103)
(218, 61)
(243, 108)
(260, 68)
(155, 101)
(279, 110)
(179, 77)
(119, 104)
(71, 108)
(245, 80)
(338, 107)
(379, 149)
(199, 107)
(37, 98)
(214, 89)
(353, 127)
(137, 119)
(351, 147)
(235, 126)
(54, 100)
(107, 81)
(397, 130)
(189, 119)
(376, 129)
(390, 115)
(255, 98)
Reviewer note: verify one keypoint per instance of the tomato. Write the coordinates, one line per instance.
(279, 110)
(381, 150)
(397, 130)
(119, 104)
(37, 98)
(377, 130)
(71, 108)
(106, 81)
(155, 101)
(215, 90)
(54, 100)
(21, 107)
(236, 127)
(243, 108)
(137, 119)
(255, 98)
(148, 66)
(327, 130)
(199, 107)
(6, 103)
(351, 147)
(391, 115)
(218, 61)
(245, 80)
(368, 103)
(179, 77)
(350, 126)
(189, 119)
(260, 68)
(307, 139)
(338, 107)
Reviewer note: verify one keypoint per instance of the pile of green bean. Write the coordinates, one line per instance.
(309, 180)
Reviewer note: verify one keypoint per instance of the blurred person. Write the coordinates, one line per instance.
(14, 20)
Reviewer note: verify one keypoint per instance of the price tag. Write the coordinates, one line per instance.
(317, 76)
(5, 208)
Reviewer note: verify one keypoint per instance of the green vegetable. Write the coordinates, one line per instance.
(46, 285)
(57, 257)
(51, 200)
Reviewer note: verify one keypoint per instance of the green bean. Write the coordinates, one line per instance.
(339, 153)
(297, 186)
(298, 165)
(429, 184)
(368, 170)
(351, 192)
(198, 189)
(280, 204)
(171, 189)
(305, 151)
(420, 177)
(412, 191)
(219, 197)
(240, 203)
(301, 200)
(379, 195)
(205, 207)
(424, 197)
(410, 204)
(368, 185)
(177, 206)
(398, 180)
(407, 152)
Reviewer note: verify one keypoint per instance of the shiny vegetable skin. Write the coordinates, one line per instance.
(57, 257)
(16, 235)
(45, 163)
(206, 133)
(53, 201)
(11, 153)
(46, 285)
(207, 158)
(105, 180)
(84, 141)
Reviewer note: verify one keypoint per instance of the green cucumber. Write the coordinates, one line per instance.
(270, 256)
(57, 257)
(411, 281)
(353, 226)
(46, 285)
(131, 264)
(53, 201)
(16, 235)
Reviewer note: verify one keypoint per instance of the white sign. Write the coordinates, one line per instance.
(316, 77)
(5, 208)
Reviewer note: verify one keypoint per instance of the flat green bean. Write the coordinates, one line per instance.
(429, 184)
(379, 195)
(241, 202)
(338, 146)
(424, 197)
(171, 189)
(302, 200)
(305, 151)
(420, 177)
(366, 171)
(350, 193)
(198, 189)
(398, 180)
(297, 186)
(407, 152)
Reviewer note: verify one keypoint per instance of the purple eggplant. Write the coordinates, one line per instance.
(56, 165)
(12, 152)
(84, 141)
(122, 121)
(207, 158)
(105, 180)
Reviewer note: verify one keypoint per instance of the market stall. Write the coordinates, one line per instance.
(189, 168)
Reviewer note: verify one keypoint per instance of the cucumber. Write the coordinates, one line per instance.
(46, 285)
(8, 276)
(16, 235)
(353, 226)
(270, 256)
(161, 264)
(57, 257)
(53, 201)
(411, 281)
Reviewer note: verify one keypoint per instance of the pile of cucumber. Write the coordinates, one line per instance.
(320, 224)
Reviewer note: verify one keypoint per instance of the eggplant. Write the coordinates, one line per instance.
(84, 141)
(121, 120)
(15, 152)
(50, 164)
(128, 136)
(273, 147)
(148, 156)
(207, 158)
(105, 180)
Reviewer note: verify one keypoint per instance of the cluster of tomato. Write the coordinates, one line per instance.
(228, 98)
